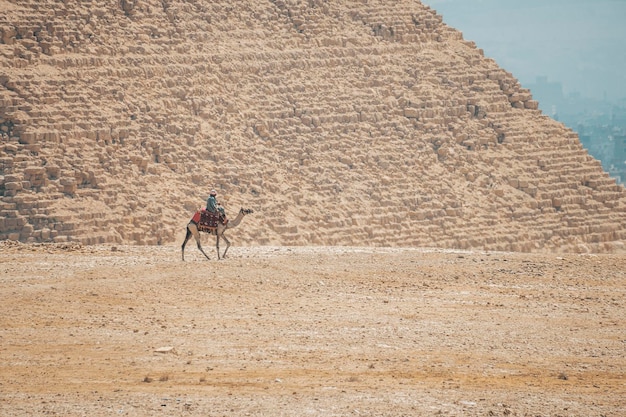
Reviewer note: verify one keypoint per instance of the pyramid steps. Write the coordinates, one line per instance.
(381, 110)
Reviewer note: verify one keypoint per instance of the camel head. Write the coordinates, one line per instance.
(246, 211)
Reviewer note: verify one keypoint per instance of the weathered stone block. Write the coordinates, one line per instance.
(411, 113)
(13, 186)
(27, 138)
(531, 104)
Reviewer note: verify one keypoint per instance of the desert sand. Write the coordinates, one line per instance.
(318, 331)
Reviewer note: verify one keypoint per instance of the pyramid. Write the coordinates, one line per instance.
(362, 123)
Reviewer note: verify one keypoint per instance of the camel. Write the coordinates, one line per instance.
(192, 230)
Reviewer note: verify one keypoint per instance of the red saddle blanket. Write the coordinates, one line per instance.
(207, 220)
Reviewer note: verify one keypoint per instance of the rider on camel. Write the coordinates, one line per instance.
(213, 206)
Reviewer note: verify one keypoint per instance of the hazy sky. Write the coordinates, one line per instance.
(580, 43)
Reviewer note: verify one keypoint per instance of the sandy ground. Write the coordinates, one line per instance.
(295, 331)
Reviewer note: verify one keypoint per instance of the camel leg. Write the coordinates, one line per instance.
(227, 246)
(193, 229)
(187, 237)
(197, 236)
(217, 244)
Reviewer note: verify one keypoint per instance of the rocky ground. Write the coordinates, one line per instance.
(321, 331)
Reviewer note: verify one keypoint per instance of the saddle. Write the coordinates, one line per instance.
(208, 221)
